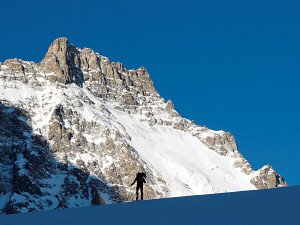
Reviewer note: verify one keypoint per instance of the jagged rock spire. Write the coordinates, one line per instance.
(59, 46)
(60, 60)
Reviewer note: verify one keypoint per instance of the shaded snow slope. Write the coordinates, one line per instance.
(264, 207)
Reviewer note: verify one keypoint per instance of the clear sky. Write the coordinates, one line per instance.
(231, 65)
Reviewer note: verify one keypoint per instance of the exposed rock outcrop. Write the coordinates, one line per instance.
(266, 177)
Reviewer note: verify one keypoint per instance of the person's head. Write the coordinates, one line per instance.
(141, 174)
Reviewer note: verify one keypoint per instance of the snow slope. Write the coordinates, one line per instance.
(185, 163)
(264, 207)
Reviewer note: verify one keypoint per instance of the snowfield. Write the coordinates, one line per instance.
(264, 207)
(186, 164)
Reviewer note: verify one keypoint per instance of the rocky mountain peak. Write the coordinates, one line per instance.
(62, 61)
(59, 47)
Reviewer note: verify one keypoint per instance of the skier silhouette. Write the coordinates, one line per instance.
(140, 182)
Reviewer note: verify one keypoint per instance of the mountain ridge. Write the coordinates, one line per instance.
(77, 105)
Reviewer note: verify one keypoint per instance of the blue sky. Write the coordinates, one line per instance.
(231, 65)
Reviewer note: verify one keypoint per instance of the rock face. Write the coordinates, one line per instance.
(266, 177)
(63, 62)
(29, 171)
(65, 139)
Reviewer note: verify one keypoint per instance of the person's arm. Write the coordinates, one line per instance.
(133, 182)
(144, 180)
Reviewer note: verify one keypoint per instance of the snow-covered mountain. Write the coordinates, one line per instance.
(76, 128)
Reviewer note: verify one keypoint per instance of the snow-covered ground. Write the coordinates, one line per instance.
(264, 207)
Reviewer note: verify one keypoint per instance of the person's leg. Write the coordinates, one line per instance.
(142, 192)
(137, 193)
